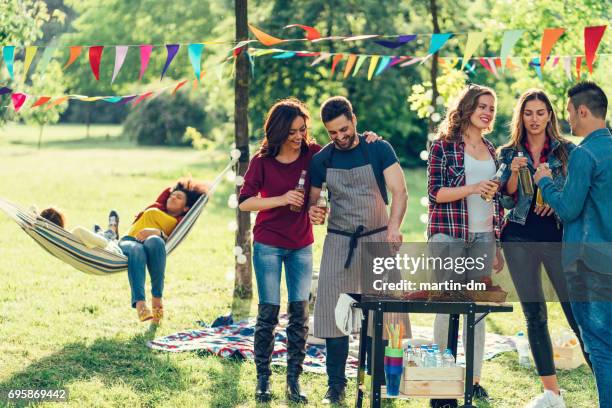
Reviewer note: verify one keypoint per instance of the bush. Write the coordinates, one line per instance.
(163, 120)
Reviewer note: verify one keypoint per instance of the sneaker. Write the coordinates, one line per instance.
(113, 223)
(480, 393)
(443, 403)
(334, 395)
(548, 399)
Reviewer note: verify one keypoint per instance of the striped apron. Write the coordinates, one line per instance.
(358, 214)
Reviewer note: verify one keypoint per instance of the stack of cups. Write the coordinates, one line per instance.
(394, 358)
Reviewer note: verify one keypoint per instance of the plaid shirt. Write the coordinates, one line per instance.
(445, 168)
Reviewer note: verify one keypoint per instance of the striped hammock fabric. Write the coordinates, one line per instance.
(96, 261)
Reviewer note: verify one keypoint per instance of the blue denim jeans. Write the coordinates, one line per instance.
(268, 261)
(149, 254)
(595, 322)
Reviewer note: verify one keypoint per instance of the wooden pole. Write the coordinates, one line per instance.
(243, 286)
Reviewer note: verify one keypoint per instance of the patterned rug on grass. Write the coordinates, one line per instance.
(235, 340)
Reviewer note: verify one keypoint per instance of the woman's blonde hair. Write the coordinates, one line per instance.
(457, 119)
(517, 127)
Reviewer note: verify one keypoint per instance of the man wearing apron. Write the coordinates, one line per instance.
(357, 176)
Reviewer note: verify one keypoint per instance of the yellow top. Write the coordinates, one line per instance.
(153, 218)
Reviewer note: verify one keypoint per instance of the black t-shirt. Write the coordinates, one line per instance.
(536, 228)
(380, 155)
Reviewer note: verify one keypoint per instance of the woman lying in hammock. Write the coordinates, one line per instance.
(144, 243)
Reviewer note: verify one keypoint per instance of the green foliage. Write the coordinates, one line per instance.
(164, 119)
(46, 114)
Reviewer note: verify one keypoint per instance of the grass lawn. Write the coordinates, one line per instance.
(60, 328)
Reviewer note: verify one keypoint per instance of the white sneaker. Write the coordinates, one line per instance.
(547, 400)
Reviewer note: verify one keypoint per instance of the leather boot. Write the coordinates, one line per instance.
(297, 333)
(267, 319)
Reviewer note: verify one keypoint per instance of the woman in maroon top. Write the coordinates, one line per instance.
(282, 236)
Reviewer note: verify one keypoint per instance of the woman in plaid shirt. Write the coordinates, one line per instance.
(462, 224)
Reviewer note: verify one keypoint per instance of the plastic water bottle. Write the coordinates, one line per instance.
(448, 360)
(424, 352)
(431, 359)
(418, 359)
(522, 347)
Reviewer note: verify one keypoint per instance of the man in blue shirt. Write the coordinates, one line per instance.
(585, 207)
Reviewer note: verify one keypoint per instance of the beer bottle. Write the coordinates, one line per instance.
(525, 181)
(323, 200)
(300, 188)
(497, 180)
(539, 199)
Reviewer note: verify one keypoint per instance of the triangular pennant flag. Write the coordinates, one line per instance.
(195, 57)
(537, 66)
(361, 37)
(307, 54)
(264, 38)
(492, 64)
(284, 55)
(550, 37)
(360, 61)
(252, 64)
(592, 38)
(567, 66)
(438, 41)
(30, 52)
(510, 39)
(75, 51)
(18, 99)
(578, 66)
(44, 60)
(5, 90)
(452, 61)
(142, 98)
(177, 87)
(127, 99)
(350, 63)
(91, 98)
(411, 61)
(473, 42)
(555, 62)
(323, 56)
(95, 57)
(337, 58)
(8, 53)
(112, 99)
(41, 101)
(120, 53)
(172, 50)
(311, 32)
(485, 64)
(384, 64)
(397, 60)
(56, 102)
(145, 54)
(398, 42)
(373, 62)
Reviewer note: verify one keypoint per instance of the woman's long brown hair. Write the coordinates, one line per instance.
(518, 131)
(278, 124)
(457, 119)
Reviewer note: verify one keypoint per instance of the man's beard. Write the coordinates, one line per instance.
(349, 145)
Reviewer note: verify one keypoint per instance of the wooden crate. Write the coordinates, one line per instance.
(443, 382)
(568, 358)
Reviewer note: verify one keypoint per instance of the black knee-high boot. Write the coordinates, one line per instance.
(297, 333)
(267, 319)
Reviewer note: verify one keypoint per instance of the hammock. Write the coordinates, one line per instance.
(96, 261)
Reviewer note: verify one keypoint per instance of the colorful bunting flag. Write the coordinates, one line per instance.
(360, 61)
(172, 49)
(510, 39)
(473, 42)
(372, 67)
(535, 63)
(360, 37)
(337, 58)
(120, 54)
(384, 64)
(311, 32)
(44, 60)
(284, 55)
(411, 61)
(27, 61)
(5, 90)
(398, 42)
(112, 99)
(41, 101)
(592, 38)
(567, 66)
(264, 38)
(438, 41)
(578, 66)
(142, 98)
(350, 63)
(95, 57)
(322, 57)
(145, 54)
(550, 37)
(177, 87)
(56, 102)
(195, 57)
(75, 51)
(8, 53)
(18, 99)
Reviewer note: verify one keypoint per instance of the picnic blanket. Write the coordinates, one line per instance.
(227, 339)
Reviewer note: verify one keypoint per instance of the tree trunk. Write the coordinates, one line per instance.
(243, 286)
(433, 8)
(40, 132)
